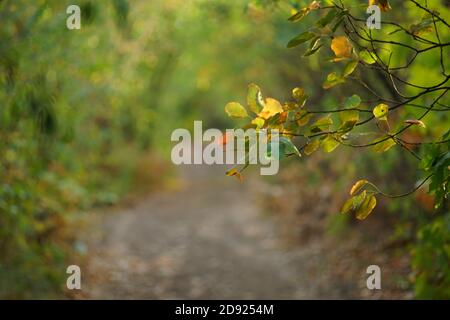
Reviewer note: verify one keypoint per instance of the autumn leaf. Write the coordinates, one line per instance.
(341, 47)
(311, 147)
(383, 4)
(357, 186)
(235, 173)
(366, 207)
(302, 117)
(415, 122)
(259, 122)
(271, 108)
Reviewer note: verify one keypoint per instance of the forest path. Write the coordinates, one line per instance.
(208, 240)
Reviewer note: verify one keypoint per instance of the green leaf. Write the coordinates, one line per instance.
(313, 50)
(385, 145)
(349, 68)
(321, 124)
(381, 111)
(349, 119)
(367, 57)
(299, 15)
(235, 110)
(347, 207)
(366, 207)
(289, 147)
(359, 199)
(330, 143)
(311, 147)
(301, 38)
(332, 80)
(352, 102)
(314, 46)
(424, 26)
(255, 100)
(327, 19)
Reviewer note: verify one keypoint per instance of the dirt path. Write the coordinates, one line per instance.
(208, 240)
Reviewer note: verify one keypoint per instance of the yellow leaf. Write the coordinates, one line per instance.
(330, 143)
(311, 147)
(236, 110)
(383, 144)
(357, 186)
(381, 111)
(366, 207)
(347, 206)
(259, 122)
(341, 47)
(235, 173)
(271, 108)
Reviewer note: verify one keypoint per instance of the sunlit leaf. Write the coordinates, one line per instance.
(271, 108)
(299, 15)
(349, 68)
(341, 47)
(358, 186)
(235, 110)
(383, 144)
(259, 122)
(367, 57)
(322, 124)
(330, 143)
(254, 98)
(381, 111)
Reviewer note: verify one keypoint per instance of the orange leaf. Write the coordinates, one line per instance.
(342, 47)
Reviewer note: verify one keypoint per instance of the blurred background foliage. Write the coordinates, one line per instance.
(85, 114)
